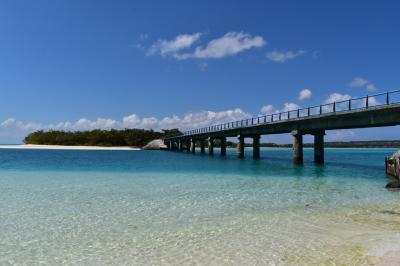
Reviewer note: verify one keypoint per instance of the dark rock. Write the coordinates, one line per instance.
(393, 185)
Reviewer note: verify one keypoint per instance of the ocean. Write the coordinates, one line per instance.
(66, 207)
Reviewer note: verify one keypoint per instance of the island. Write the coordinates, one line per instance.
(102, 138)
(141, 137)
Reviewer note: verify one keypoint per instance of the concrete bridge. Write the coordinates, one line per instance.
(377, 110)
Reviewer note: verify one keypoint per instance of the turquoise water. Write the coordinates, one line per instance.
(166, 208)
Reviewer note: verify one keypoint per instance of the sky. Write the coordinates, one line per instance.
(80, 65)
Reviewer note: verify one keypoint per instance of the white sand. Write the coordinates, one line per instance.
(391, 258)
(61, 147)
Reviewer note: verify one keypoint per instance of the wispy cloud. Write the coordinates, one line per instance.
(281, 56)
(356, 103)
(290, 107)
(171, 47)
(337, 97)
(305, 94)
(359, 82)
(371, 87)
(229, 44)
(267, 109)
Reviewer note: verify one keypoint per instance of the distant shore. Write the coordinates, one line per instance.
(350, 144)
(345, 144)
(63, 147)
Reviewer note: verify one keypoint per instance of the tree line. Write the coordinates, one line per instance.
(97, 137)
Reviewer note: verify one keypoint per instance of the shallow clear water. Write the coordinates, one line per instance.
(155, 207)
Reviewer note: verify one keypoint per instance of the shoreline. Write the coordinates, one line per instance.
(64, 147)
(127, 148)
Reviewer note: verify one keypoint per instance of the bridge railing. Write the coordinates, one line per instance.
(349, 104)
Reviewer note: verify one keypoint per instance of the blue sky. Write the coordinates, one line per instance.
(155, 64)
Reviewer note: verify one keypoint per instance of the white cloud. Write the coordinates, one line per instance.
(86, 124)
(131, 120)
(281, 57)
(8, 122)
(14, 130)
(171, 47)
(359, 82)
(305, 94)
(361, 103)
(12, 123)
(150, 122)
(229, 44)
(373, 101)
(206, 118)
(371, 87)
(337, 97)
(290, 107)
(355, 103)
(267, 109)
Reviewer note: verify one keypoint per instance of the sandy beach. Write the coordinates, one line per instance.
(62, 147)
(388, 259)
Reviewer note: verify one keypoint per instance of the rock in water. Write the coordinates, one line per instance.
(392, 165)
(393, 185)
(157, 144)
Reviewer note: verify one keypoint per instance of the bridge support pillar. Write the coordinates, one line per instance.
(256, 147)
(297, 147)
(192, 145)
(210, 146)
(223, 146)
(168, 143)
(202, 146)
(240, 147)
(319, 147)
(180, 145)
(174, 145)
(187, 145)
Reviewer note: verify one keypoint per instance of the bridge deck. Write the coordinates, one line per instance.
(379, 116)
(311, 120)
